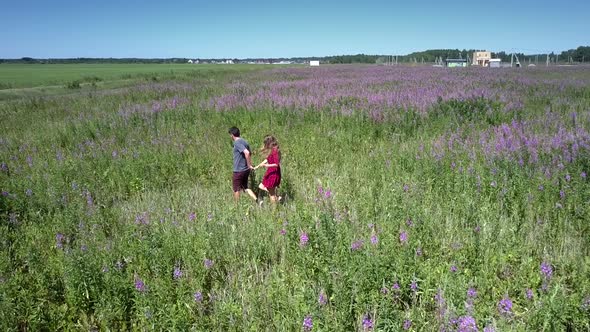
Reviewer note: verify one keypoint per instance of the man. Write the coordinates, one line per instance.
(242, 164)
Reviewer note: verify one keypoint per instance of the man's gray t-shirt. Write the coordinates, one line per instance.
(240, 163)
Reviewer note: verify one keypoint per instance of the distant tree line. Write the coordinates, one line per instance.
(580, 54)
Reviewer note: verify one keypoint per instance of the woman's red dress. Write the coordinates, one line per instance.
(272, 177)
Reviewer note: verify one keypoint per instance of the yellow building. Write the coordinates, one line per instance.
(482, 58)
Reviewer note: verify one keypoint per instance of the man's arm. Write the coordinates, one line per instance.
(248, 159)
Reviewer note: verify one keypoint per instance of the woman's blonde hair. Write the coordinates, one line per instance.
(269, 143)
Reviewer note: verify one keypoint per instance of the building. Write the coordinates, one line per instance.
(456, 62)
(482, 58)
(190, 61)
(495, 63)
(314, 63)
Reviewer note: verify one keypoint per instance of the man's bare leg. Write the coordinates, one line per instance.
(251, 194)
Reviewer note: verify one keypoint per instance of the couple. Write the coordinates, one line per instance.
(243, 166)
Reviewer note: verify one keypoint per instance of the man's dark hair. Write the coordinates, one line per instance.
(234, 131)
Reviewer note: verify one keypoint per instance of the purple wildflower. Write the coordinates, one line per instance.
(29, 192)
(489, 328)
(322, 299)
(407, 324)
(177, 272)
(453, 268)
(529, 294)
(89, 200)
(541, 187)
(283, 231)
(4, 167)
(414, 286)
(139, 285)
(367, 323)
(328, 193)
(471, 292)
(561, 194)
(467, 324)
(477, 229)
(406, 188)
(374, 239)
(409, 222)
(356, 245)
(395, 287)
(303, 238)
(142, 219)
(307, 323)
(208, 263)
(568, 177)
(59, 238)
(403, 237)
(192, 216)
(5, 193)
(198, 296)
(546, 270)
(583, 175)
(505, 306)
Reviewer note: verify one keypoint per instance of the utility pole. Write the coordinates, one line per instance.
(547, 63)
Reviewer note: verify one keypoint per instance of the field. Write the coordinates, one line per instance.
(415, 198)
(26, 80)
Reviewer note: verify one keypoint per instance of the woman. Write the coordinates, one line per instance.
(272, 178)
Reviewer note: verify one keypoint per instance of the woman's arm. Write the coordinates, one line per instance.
(263, 163)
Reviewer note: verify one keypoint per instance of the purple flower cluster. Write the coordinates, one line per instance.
(403, 237)
(374, 239)
(307, 323)
(367, 323)
(357, 245)
(59, 240)
(140, 285)
(208, 263)
(505, 306)
(407, 324)
(344, 89)
(467, 324)
(303, 238)
(198, 296)
(546, 270)
(177, 274)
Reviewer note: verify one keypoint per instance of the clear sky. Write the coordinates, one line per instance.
(242, 29)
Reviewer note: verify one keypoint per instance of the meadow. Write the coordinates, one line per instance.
(41, 80)
(415, 198)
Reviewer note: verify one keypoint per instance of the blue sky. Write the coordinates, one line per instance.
(242, 29)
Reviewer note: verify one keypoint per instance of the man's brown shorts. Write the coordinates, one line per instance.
(240, 180)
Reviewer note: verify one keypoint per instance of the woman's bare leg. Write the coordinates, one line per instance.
(262, 187)
(272, 193)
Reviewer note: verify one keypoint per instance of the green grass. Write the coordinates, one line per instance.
(36, 75)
